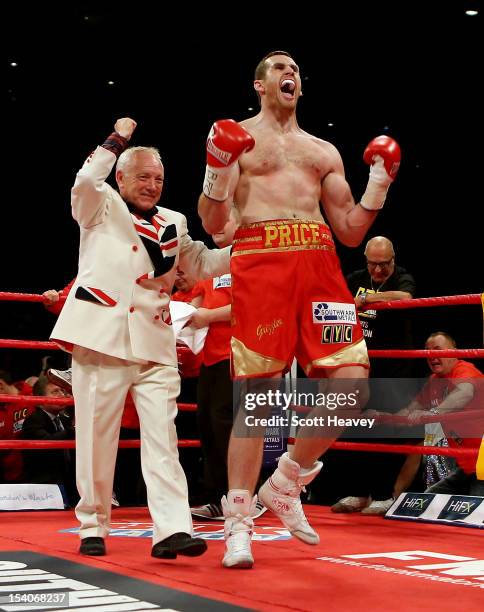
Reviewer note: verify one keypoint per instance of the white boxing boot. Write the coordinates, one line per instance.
(280, 493)
(238, 508)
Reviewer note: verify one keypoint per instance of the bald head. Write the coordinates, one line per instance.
(380, 244)
(380, 258)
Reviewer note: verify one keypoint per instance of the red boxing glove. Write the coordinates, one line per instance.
(225, 144)
(383, 155)
(388, 149)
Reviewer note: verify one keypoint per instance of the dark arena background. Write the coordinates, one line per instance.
(409, 69)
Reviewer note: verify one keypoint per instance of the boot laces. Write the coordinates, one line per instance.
(237, 540)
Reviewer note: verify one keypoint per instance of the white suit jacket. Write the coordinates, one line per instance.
(126, 318)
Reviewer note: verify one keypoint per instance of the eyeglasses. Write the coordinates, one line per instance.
(382, 264)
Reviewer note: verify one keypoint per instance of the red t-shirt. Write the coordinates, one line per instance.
(216, 292)
(189, 363)
(185, 296)
(12, 417)
(437, 389)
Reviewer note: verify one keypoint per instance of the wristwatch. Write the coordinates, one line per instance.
(363, 297)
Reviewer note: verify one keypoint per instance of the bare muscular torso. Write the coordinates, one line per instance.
(281, 177)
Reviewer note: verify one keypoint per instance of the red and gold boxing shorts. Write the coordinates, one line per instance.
(290, 299)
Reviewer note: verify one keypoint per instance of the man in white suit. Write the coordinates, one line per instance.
(116, 321)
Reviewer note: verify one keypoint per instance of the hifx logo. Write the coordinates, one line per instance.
(413, 505)
(460, 506)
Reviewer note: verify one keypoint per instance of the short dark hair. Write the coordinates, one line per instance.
(261, 68)
(6, 377)
(445, 334)
(41, 385)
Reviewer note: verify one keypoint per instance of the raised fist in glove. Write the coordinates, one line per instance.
(383, 156)
(226, 142)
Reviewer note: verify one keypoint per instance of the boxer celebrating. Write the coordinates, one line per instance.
(280, 176)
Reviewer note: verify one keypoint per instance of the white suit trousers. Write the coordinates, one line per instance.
(100, 384)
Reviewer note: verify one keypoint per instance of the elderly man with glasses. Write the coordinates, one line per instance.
(369, 477)
(382, 280)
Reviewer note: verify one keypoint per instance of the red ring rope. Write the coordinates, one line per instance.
(404, 449)
(63, 401)
(446, 300)
(55, 444)
(422, 353)
(361, 446)
(7, 296)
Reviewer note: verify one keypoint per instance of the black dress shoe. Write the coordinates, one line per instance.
(92, 546)
(179, 544)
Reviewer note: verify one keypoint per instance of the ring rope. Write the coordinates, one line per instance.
(63, 401)
(56, 444)
(47, 345)
(387, 353)
(460, 416)
(29, 344)
(422, 353)
(403, 449)
(8, 296)
(187, 407)
(445, 300)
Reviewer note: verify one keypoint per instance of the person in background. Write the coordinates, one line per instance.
(455, 385)
(215, 390)
(370, 477)
(12, 416)
(50, 422)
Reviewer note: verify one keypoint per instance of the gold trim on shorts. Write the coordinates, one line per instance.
(281, 222)
(307, 247)
(350, 355)
(247, 362)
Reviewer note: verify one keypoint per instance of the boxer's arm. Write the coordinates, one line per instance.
(215, 214)
(350, 222)
(226, 142)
